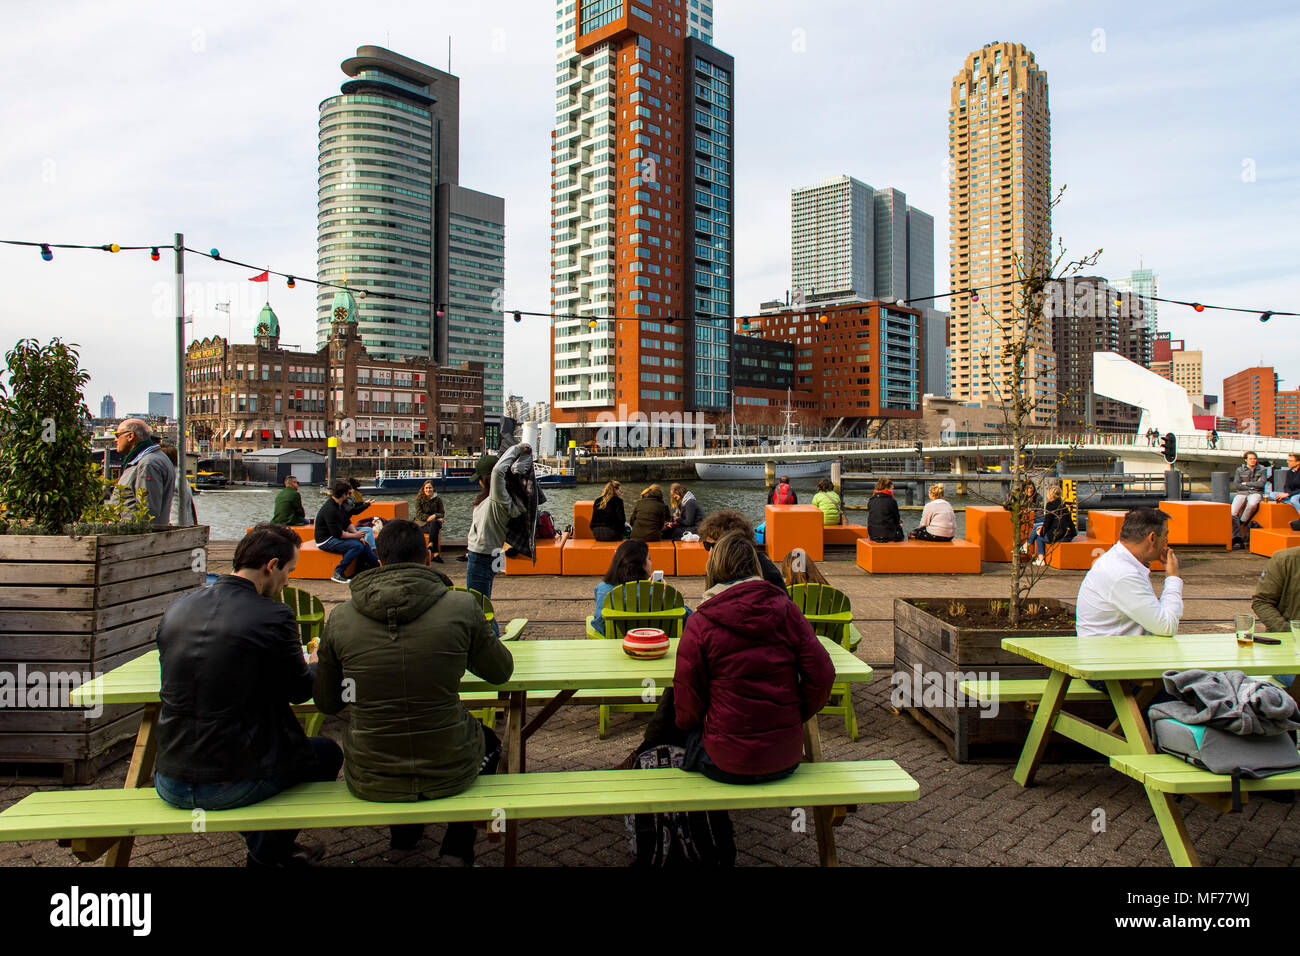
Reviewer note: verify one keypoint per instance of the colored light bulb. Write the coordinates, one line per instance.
(214, 253)
(289, 282)
(46, 254)
(153, 254)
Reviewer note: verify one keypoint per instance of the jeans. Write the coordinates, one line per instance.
(460, 836)
(350, 548)
(269, 847)
(1293, 501)
(1246, 503)
(698, 759)
(606, 534)
(923, 534)
(479, 573)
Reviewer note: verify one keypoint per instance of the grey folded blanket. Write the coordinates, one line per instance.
(1229, 701)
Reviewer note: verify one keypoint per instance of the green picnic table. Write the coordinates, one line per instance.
(560, 668)
(1132, 669)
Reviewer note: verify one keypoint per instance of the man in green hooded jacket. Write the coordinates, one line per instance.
(395, 653)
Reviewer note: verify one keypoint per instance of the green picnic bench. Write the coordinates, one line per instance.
(88, 816)
(1025, 691)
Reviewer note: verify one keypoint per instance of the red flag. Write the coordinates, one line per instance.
(264, 277)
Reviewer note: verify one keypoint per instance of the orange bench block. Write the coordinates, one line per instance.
(1076, 555)
(690, 557)
(1266, 542)
(843, 533)
(317, 565)
(1276, 516)
(1104, 526)
(548, 559)
(1198, 523)
(989, 528)
(305, 531)
(582, 512)
(593, 557)
(794, 526)
(385, 510)
(958, 556)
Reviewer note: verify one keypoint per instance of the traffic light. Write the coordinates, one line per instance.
(919, 451)
(1169, 447)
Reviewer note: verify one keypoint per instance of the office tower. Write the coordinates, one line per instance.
(107, 407)
(999, 135)
(935, 352)
(1145, 284)
(1250, 396)
(391, 213)
(891, 244)
(1171, 359)
(641, 243)
(1286, 415)
(1089, 316)
(160, 404)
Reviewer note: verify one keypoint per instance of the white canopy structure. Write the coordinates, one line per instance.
(1165, 406)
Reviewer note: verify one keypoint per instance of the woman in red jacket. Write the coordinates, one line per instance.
(750, 671)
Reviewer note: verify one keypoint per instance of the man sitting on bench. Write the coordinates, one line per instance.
(396, 652)
(232, 662)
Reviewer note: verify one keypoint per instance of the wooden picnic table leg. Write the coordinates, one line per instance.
(138, 774)
(1132, 719)
(822, 816)
(1040, 731)
(515, 762)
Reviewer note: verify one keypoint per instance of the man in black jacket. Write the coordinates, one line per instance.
(717, 525)
(232, 663)
(336, 534)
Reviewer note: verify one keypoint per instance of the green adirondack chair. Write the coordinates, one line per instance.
(512, 631)
(632, 605)
(827, 610)
(310, 613)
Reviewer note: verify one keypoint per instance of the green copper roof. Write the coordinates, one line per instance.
(344, 306)
(267, 323)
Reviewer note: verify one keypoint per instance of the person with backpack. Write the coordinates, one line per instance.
(650, 515)
(783, 493)
(829, 502)
(608, 520)
(884, 523)
(492, 511)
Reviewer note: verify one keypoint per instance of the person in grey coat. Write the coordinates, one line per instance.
(1248, 483)
(148, 475)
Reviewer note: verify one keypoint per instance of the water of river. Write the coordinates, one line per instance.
(229, 512)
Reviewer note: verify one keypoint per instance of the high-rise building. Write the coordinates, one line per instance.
(161, 404)
(1286, 414)
(999, 153)
(1250, 396)
(1171, 359)
(392, 219)
(107, 407)
(852, 243)
(1089, 316)
(1145, 284)
(641, 216)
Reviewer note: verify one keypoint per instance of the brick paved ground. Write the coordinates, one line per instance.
(969, 815)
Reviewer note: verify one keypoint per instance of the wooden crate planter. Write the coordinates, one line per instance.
(79, 606)
(938, 648)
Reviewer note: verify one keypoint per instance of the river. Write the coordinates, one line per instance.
(229, 512)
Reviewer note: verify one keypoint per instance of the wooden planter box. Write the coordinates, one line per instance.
(79, 606)
(940, 650)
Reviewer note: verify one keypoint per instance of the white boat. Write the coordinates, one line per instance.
(756, 470)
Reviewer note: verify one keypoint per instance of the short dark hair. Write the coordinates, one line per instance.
(354, 483)
(341, 489)
(1141, 522)
(718, 523)
(400, 542)
(628, 563)
(264, 542)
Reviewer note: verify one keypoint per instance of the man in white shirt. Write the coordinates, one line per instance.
(1116, 597)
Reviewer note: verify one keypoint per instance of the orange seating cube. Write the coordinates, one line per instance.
(317, 565)
(843, 533)
(582, 512)
(957, 556)
(1198, 523)
(1276, 516)
(386, 510)
(989, 527)
(1266, 542)
(305, 531)
(794, 526)
(690, 557)
(1104, 525)
(593, 557)
(1076, 555)
(548, 559)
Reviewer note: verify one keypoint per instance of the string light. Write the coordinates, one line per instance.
(518, 317)
(46, 254)
(214, 253)
(289, 282)
(111, 247)
(1198, 307)
(1265, 316)
(153, 254)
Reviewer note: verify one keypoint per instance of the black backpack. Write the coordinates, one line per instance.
(700, 838)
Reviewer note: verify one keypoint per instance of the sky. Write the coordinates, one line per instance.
(1174, 127)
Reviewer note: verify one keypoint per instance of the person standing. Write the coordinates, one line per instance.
(1248, 483)
(649, 515)
(429, 515)
(404, 640)
(148, 476)
(608, 519)
(938, 521)
(231, 661)
(829, 502)
(335, 533)
(288, 505)
(493, 509)
(884, 523)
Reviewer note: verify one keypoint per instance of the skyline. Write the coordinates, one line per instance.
(1154, 142)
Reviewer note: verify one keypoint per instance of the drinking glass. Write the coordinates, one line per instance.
(1244, 625)
(1295, 632)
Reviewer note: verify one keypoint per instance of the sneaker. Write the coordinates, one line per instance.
(302, 855)
(1295, 525)
(338, 578)
(1039, 562)
(463, 557)
(438, 559)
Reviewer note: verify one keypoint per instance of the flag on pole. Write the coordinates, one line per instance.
(264, 277)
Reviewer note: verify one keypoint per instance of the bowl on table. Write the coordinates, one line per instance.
(645, 643)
